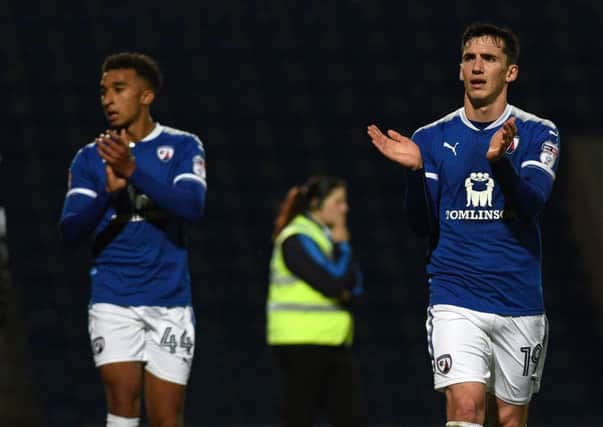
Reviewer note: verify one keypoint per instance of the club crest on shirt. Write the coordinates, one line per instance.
(98, 345)
(513, 146)
(165, 153)
(444, 363)
(549, 153)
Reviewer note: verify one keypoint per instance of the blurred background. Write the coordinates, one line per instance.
(280, 90)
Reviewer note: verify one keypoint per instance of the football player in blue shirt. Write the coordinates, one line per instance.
(478, 180)
(135, 189)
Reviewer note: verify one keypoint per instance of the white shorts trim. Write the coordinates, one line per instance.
(160, 337)
(506, 353)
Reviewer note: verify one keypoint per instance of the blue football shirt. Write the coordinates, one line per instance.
(486, 256)
(140, 247)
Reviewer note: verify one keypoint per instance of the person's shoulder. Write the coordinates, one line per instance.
(180, 136)
(438, 125)
(532, 121)
(86, 151)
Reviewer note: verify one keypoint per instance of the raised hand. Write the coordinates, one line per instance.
(501, 140)
(114, 183)
(398, 148)
(114, 148)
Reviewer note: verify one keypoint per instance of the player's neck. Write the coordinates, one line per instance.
(486, 112)
(138, 130)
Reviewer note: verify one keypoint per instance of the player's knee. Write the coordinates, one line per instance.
(466, 410)
(124, 403)
(512, 422)
(166, 421)
(512, 416)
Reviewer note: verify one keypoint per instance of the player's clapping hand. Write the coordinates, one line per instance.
(396, 147)
(501, 140)
(114, 183)
(114, 148)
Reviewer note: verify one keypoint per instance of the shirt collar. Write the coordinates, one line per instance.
(154, 133)
(496, 123)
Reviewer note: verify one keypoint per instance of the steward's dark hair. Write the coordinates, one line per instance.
(144, 65)
(302, 198)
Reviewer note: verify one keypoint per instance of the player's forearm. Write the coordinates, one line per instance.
(184, 201)
(418, 207)
(81, 215)
(525, 198)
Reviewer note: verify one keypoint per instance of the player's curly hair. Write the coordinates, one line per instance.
(303, 198)
(144, 65)
(509, 38)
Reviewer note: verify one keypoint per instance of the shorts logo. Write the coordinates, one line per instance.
(444, 363)
(165, 153)
(98, 345)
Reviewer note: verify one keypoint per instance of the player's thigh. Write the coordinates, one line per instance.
(169, 342)
(519, 350)
(123, 387)
(164, 401)
(117, 338)
(466, 402)
(117, 334)
(459, 345)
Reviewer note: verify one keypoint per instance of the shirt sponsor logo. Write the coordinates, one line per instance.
(479, 187)
(479, 190)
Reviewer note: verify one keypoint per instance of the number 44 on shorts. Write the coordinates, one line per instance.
(169, 340)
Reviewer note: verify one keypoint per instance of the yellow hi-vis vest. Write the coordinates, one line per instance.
(296, 312)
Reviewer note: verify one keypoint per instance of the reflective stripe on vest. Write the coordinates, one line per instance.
(284, 306)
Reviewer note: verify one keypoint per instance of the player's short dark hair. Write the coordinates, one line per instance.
(509, 38)
(144, 65)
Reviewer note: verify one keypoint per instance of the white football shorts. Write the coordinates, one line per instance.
(506, 353)
(161, 337)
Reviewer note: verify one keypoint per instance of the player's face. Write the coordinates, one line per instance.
(334, 207)
(124, 96)
(484, 70)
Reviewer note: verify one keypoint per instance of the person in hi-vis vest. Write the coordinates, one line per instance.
(313, 282)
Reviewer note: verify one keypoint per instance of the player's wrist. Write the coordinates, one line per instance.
(417, 167)
(130, 168)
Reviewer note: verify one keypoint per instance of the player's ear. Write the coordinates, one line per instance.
(461, 72)
(512, 73)
(147, 97)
